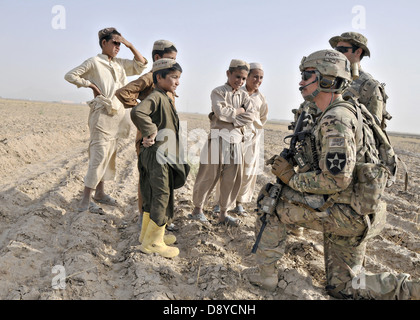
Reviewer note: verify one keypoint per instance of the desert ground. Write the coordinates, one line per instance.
(48, 250)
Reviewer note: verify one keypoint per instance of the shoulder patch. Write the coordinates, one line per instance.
(336, 161)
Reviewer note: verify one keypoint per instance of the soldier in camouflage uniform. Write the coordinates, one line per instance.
(320, 198)
(369, 91)
(365, 88)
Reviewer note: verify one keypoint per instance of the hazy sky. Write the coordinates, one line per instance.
(41, 42)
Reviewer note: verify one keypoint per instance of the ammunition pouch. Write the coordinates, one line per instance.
(302, 162)
(268, 198)
(371, 180)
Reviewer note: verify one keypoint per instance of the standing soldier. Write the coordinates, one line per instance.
(369, 91)
(321, 198)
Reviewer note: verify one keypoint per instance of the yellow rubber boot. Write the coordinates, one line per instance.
(144, 224)
(169, 238)
(153, 241)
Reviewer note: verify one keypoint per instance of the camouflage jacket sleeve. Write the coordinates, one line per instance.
(336, 146)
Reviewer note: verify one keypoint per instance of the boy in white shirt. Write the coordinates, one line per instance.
(108, 121)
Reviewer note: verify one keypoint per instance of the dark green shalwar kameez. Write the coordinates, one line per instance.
(162, 168)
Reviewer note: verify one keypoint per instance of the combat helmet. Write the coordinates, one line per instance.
(332, 69)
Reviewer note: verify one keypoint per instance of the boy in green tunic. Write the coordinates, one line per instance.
(161, 167)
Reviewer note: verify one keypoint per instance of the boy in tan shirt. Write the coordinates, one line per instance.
(221, 158)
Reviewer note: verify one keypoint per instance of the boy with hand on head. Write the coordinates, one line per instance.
(222, 155)
(108, 121)
(142, 87)
(161, 168)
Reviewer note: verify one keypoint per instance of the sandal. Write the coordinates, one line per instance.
(230, 222)
(200, 217)
(240, 211)
(93, 208)
(107, 200)
(216, 209)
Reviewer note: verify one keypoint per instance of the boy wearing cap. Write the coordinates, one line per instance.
(254, 130)
(252, 143)
(142, 87)
(161, 166)
(108, 121)
(221, 158)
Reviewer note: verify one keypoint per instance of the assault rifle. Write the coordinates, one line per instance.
(297, 136)
(267, 203)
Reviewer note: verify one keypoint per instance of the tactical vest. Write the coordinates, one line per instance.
(376, 162)
(363, 89)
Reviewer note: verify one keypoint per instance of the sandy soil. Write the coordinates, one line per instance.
(43, 160)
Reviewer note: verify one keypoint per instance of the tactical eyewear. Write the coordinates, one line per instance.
(306, 75)
(343, 49)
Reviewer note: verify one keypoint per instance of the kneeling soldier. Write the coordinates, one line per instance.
(320, 198)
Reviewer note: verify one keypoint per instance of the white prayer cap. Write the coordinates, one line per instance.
(164, 63)
(256, 65)
(162, 45)
(238, 63)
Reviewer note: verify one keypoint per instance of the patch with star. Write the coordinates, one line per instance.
(336, 161)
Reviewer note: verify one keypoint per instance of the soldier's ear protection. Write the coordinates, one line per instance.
(327, 82)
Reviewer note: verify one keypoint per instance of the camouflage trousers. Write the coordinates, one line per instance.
(345, 237)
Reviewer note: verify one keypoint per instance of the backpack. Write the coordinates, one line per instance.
(379, 169)
(363, 89)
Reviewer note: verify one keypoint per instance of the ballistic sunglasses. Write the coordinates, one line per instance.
(307, 74)
(343, 49)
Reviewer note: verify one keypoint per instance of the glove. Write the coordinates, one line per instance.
(283, 169)
(271, 160)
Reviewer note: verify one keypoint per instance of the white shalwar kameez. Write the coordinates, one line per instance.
(108, 120)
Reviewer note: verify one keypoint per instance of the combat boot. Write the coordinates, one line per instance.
(267, 278)
(169, 238)
(414, 289)
(153, 241)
